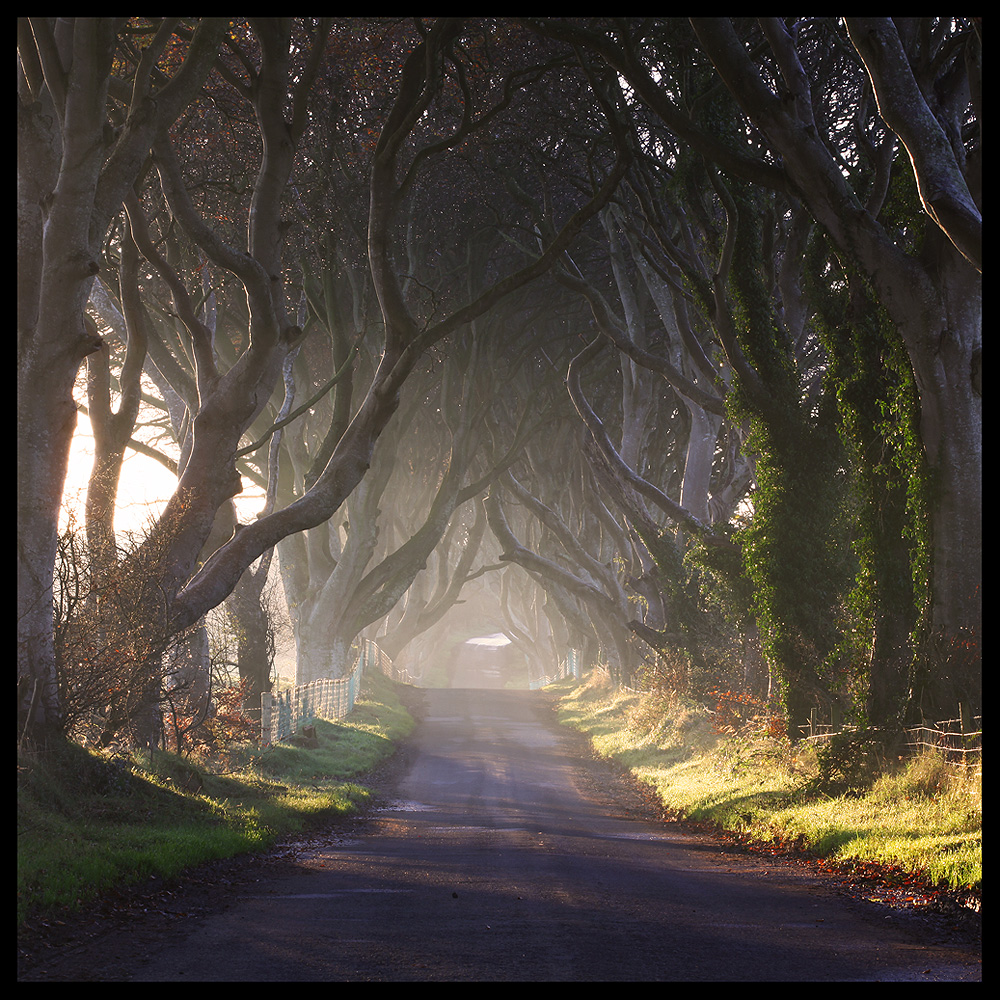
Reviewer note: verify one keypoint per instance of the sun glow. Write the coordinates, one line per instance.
(143, 490)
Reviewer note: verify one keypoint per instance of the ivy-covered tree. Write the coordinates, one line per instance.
(827, 110)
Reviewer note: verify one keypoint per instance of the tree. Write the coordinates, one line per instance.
(270, 65)
(437, 589)
(550, 515)
(405, 339)
(879, 417)
(76, 164)
(925, 75)
(761, 381)
(812, 131)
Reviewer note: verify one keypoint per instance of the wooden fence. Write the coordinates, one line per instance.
(959, 740)
(570, 667)
(326, 698)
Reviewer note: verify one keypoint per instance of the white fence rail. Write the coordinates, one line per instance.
(330, 699)
(570, 667)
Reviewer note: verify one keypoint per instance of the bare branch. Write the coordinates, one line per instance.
(943, 189)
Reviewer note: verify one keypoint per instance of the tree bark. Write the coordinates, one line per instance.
(934, 299)
(70, 184)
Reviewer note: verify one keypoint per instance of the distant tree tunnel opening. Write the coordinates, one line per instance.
(485, 661)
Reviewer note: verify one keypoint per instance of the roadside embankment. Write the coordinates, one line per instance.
(914, 818)
(89, 821)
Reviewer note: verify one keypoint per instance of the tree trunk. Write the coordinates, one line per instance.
(947, 371)
(71, 182)
(321, 654)
(946, 366)
(46, 424)
(254, 637)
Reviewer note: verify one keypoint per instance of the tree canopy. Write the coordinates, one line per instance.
(664, 334)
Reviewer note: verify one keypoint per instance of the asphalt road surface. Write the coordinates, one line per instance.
(500, 860)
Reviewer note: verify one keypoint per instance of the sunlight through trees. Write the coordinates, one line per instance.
(657, 338)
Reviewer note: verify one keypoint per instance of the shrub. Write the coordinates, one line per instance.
(850, 763)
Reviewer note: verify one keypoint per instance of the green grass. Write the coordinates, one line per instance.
(88, 822)
(920, 816)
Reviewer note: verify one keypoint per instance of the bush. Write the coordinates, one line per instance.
(850, 763)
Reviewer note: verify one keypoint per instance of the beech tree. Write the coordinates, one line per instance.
(827, 104)
(85, 127)
(274, 77)
(677, 476)
(925, 75)
(290, 223)
(456, 561)
(435, 457)
(589, 594)
(709, 292)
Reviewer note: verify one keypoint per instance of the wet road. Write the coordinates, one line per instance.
(500, 861)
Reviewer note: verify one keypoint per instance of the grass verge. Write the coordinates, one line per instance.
(920, 816)
(88, 821)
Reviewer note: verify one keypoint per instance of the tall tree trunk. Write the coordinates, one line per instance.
(947, 368)
(946, 365)
(322, 654)
(72, 177)
(46, 422)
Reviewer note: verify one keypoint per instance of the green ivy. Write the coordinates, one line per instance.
(879, 423)
(791, 550)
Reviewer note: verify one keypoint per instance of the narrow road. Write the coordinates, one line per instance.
(500, 861)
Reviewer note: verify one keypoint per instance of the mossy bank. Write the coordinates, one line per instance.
(89, 821)
(916, 815)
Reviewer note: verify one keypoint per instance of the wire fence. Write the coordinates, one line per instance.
(326, 698)
(957, 746)
(959, 740)
(570, 667)
(378, 659)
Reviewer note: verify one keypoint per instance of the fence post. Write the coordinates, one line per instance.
(965, 724)
(266, 700)
(322, 698)
(573, 655)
